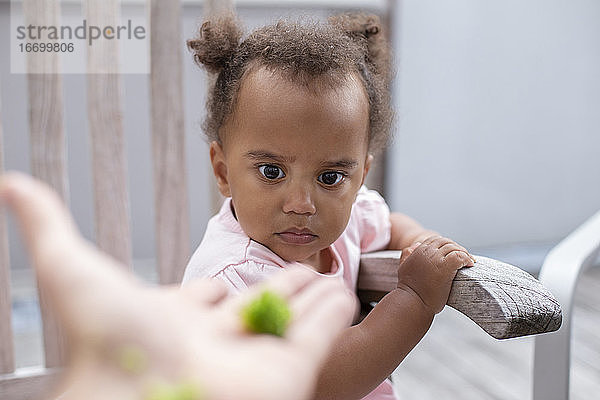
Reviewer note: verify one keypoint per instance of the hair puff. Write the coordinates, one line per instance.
(368, 30)
(217, 42)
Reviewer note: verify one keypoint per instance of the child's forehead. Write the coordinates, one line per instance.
(265, 90)
(272, 109)
(314, 85)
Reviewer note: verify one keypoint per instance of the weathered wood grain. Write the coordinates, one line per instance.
(29, 386)
(215, 7)
(168, 142)
(47, 141)
(111, 198)
(503, 300)
(7, 353)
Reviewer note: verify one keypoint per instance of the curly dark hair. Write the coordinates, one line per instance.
(351, 43)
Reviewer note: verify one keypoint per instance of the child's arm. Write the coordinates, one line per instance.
(406, 231)
(369, 352)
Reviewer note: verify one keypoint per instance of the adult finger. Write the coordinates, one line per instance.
(315, 293)
(68, 269)
(285, 284)
(41, 215)
(205, 292)
(324, 308)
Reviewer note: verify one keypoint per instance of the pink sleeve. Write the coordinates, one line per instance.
(374, 220)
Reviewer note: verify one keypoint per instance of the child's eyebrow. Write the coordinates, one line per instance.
(265, 155)
(345, 164)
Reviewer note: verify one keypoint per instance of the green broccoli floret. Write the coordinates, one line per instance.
(268, 313)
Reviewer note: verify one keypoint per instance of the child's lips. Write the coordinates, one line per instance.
(297, 236)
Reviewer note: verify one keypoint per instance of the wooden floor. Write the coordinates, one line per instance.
(458, 360)
(455, 361)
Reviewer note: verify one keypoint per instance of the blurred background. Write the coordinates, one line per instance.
(496, 142)
(497, 131)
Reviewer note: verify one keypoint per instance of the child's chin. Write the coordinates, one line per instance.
(296, 255)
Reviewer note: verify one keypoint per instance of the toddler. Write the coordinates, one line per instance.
(295, 115)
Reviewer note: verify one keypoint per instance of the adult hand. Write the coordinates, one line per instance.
(127, 340)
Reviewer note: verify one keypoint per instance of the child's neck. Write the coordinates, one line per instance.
(320, 262)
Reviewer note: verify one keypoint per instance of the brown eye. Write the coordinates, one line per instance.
(330, 178)
(271, 172)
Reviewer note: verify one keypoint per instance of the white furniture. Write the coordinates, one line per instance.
(560, 273)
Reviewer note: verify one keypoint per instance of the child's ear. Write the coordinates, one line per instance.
(367, 167)
(217, 159)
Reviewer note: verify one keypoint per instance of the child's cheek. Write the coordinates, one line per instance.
(337, 219)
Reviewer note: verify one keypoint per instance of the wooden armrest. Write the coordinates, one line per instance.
(502, 299)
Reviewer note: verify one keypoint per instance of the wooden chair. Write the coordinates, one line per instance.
(503, 300)
(48, 163)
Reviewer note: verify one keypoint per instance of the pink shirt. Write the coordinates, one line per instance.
(227, 253)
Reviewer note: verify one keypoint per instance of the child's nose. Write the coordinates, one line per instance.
(299, 201)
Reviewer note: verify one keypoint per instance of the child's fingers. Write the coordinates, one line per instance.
(459, 259)
(450, 247)
(432, 244)
(429, 240)
(446, 246)
(408, 251)
(435, 242)
(441, 241)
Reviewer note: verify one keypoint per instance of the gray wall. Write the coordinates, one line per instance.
(499, 118)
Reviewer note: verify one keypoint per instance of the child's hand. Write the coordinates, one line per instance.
(427, 269)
